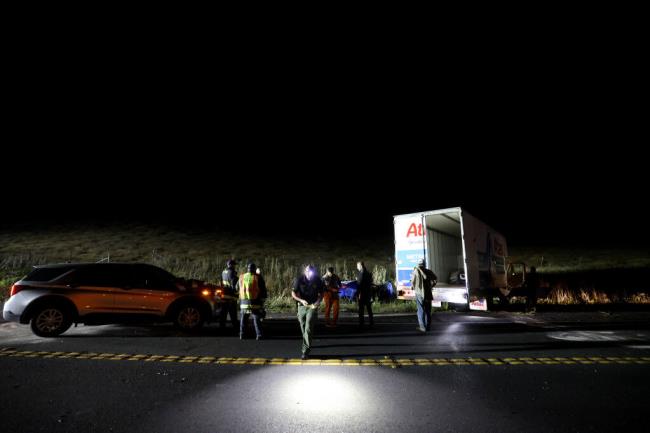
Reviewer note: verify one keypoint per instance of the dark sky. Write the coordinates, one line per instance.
(557, 160)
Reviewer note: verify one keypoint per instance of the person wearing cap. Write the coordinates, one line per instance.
(308, 292)
(423, 280)
(250, 300)
(229, 297)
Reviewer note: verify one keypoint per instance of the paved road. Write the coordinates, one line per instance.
(474, 372)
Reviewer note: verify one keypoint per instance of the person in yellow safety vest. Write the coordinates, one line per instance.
(332, 284)
(229, 298)
(251, 294)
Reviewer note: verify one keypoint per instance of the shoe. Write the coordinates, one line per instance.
(304, 356)
(421, 329)
(259, 337)
(241, 336)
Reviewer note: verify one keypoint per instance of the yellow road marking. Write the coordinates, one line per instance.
(367, 362)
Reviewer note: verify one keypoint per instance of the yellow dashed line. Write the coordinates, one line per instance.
(385, 362)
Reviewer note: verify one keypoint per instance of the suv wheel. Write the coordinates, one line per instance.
(189, 317)
(51, 320)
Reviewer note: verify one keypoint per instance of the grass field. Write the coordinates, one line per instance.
(202, 254)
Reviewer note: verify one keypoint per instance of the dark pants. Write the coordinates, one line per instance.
(531, 298)
(424, 312)
(307, 317)
(228, 308)
(367, 304)
(256, 322)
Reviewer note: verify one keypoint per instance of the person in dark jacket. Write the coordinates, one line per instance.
(364, 293)
(229, 279)
(532, 285)
(423, 280)
(308, 293)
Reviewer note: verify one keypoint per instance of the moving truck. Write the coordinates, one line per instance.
(467, 255)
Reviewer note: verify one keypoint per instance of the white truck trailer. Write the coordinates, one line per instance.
(467, 255)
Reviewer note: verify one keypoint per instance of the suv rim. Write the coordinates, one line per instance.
(189, 317)
(49, 320)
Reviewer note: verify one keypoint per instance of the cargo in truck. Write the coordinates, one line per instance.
(467, 255)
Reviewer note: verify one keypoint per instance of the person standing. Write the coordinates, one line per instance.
(423, 280)
(229, 280)
(250, 301)
(332, 284)
(308, 293)
(364, 293)
(532, 285)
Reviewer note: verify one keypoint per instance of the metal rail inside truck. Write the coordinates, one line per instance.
(468, 256)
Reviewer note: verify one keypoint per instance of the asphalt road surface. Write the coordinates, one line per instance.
(484, 372)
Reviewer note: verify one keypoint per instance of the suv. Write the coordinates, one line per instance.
(52, 297)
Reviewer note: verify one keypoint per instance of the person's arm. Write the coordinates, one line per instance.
(294, 293)
(298, 299)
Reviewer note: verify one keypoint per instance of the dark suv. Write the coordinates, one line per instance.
(52, 297)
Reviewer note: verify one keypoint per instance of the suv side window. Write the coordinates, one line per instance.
(154, 280)
(101, 275)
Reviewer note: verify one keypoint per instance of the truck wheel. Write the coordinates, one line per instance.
(490, 302)
(504, 301)
(189, 317)
(51, 320)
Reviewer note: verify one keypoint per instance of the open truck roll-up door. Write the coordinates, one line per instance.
(446, 255)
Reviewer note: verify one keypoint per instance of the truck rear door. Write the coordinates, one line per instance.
(410, 248)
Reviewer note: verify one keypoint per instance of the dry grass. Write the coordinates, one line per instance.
(202, 255)
(562, 296)
(559, 260)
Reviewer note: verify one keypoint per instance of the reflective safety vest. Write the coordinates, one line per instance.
(249, 292)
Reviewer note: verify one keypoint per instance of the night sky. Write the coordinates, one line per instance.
(542, 164)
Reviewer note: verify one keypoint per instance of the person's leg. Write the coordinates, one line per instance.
(369, 307)
(328, 307)
(419, 301)
(257, 324)
(310, 325)
(360, 312)
(427, 314)
(232, 309)
(302, 320)
(223, 314)
(335, 305)
(242, 324)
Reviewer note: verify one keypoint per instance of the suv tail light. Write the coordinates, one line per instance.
(15, 289)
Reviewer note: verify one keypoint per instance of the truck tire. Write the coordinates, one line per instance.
(51, 320)
(504, 301)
